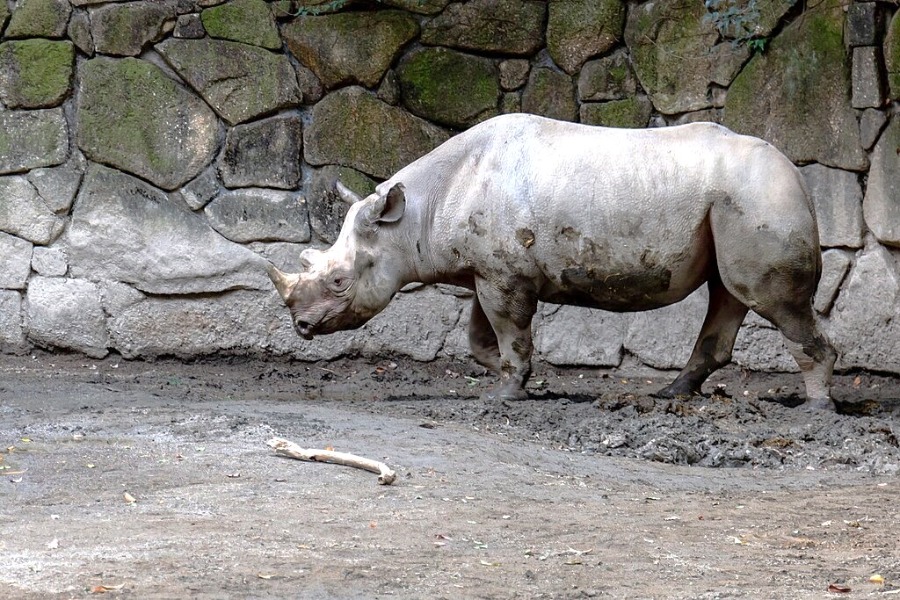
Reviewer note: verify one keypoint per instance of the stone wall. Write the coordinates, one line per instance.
(152, 151)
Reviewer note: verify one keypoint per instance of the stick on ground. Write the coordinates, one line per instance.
(386, 475)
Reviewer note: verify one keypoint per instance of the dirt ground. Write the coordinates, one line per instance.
(153, 480)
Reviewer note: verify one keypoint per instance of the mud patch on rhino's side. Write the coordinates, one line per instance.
(476, 227)
(525, 236)
(625, 291)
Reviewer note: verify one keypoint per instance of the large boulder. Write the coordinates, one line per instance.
(124, 29)
(35, 73)
(30, 139)
(255, 214)
(580, 29)
(795, 95)
(264, 153)
(881, 205)
(677, 54)
(25, 214)
(449, 87)
(240, 82)
(39, 18)
(123, 229)
(247, 21)
(513, 27)
(865, 321)
(66, 314)
(350, 48)
(133, 117)
(352, 128)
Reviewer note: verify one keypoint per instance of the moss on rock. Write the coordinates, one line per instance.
(39, 18)
(247, 21)
(133, 117)
(795, 95)
(449, 87)
(35, 73)
(630, 112)
(892, 57)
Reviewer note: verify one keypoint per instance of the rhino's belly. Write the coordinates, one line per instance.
(626, 288)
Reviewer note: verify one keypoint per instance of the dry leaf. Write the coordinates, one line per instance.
(838, 588)
(103, 588)
(265, 575)
(857, 381)
(876, 578)
(129, 498)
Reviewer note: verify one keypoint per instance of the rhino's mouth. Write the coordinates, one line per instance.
(304, 329)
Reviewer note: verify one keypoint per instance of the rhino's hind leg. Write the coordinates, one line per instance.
(509, 308)
(714, 344)
(482, 339)
(810, 348)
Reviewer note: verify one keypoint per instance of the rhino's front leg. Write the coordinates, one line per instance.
(509, 307)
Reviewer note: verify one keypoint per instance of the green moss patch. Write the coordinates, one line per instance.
(35, 73)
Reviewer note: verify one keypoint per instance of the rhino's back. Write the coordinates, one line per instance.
(613, 218)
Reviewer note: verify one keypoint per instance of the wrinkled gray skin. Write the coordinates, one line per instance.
(522, 208)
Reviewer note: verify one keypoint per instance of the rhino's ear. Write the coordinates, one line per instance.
(390, 207)
(346, 194)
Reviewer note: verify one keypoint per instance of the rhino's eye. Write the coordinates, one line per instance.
(339, 283)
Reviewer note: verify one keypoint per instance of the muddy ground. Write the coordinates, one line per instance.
(153, 480)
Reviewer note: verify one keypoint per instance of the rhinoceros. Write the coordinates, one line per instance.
(522, 209)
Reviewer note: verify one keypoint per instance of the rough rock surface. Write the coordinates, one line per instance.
(350, 48)
(31, 139)
(35, 73)
(135, 118)
(247, 21)
(550, 93)
(795, 94)
(125, 29)
(66, 314)
(125, 230)
(449, 87)
(254, 214)
(264, 153)
(509, 26)
(881, 206)
(240, 82)
(377, 139)
(580, 29)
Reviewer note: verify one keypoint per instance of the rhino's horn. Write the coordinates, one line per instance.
(284, 282)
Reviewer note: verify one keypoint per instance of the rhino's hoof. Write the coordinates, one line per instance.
(674, 392)
(505, 393)
(819, 404)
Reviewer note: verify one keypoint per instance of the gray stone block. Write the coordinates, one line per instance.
(264, 153)
(25, 214)
(124, 29)
(415, 324)
(571, 335)
(257, 214)
(15, 261)
(30, 139)
(66, 314)
(200, 191)
(607, 78)
(864, 323)
(664, 338)
(49, 262)
(12, 334)
(871, 122)
(881, 205)
(837, 197)
(513, 73)
(124, 229)
(189, 27)
(58, 185)
(865, 24)
(867, 80)
(835, 265)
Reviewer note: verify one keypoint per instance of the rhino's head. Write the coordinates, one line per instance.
(346, 285)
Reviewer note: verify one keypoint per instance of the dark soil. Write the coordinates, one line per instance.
(153, 480)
